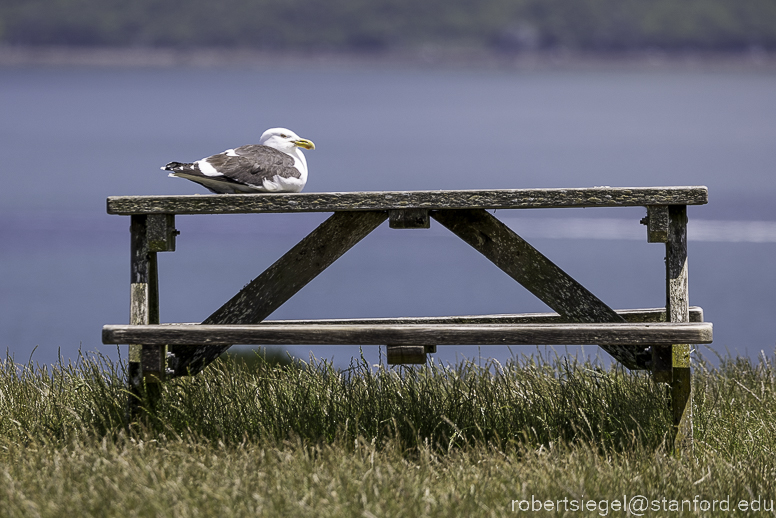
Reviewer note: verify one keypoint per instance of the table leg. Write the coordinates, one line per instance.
(146, 363)
(677, 310)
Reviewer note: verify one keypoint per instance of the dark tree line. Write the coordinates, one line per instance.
(384, 24)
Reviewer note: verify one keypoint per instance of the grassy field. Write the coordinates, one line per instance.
(536, 436)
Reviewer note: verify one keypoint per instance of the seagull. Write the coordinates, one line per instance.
(275, 164)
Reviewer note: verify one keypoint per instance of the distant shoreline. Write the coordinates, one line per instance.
(133, 57)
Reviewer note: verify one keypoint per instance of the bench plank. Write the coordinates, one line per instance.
(394, 200)
(413, 334)
(629, 315)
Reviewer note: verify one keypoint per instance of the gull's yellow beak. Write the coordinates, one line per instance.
(303, 142)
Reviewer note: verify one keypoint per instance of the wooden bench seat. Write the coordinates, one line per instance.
(659, 333)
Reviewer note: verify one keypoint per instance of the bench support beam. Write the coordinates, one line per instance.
(536, 273)
(281, 281)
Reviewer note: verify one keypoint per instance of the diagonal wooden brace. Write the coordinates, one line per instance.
(536, 273)
(267, 292)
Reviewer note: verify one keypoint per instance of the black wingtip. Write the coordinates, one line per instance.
(173, 166)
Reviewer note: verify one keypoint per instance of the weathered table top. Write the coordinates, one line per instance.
(398, 200)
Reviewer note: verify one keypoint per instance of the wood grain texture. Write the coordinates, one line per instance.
(440, 334)
(389, 200)
(677, 281)
(282, 280)
(678, 310)
(677, 286)
(138, 249)
(657, 223)
(408, 218)
(161, 232)
(146, 366)
(139, 295)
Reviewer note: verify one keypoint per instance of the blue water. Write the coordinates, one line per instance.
(71, 137)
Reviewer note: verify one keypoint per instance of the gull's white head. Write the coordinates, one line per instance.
(284, 140)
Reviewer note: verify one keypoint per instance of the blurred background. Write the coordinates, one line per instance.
(396, 95)
(508, 25)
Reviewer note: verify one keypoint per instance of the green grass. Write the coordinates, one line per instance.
(305, 439)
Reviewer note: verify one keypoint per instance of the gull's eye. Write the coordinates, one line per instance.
(283, 135)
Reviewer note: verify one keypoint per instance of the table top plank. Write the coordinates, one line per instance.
(393, 200)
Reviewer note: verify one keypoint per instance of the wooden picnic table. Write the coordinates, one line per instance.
(656, 339)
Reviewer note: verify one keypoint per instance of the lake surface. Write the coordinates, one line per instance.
(70, 137)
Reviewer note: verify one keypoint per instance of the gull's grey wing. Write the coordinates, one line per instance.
(253, 163)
